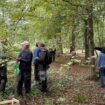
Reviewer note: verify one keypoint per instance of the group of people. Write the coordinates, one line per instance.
(41, 58)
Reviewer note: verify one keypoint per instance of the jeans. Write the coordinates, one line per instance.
(102, 77)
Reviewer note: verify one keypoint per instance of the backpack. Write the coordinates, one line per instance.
(45, 57)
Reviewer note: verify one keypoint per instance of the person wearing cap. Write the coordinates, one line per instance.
(25, 60)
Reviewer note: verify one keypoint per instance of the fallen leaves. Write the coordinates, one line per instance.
(67, 86)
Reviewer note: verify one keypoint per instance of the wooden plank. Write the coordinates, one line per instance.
(12, 102)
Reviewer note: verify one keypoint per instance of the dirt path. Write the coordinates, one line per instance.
(77, 89)
(70, 86)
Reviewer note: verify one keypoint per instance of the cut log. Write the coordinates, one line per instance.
(12, 102)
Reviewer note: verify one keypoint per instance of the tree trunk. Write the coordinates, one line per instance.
(73, 38)
(86, 40)
(91, 39)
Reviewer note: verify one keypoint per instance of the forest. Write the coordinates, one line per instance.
(74, 28)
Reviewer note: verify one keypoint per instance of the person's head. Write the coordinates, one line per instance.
(103, 50)
(38, 44)
(42, 46)
(25, 45)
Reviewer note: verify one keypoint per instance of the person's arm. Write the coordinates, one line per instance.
(25, 60)
(19, 57)
(98, 48)
(36, 54)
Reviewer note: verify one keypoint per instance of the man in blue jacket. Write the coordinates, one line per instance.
(36, 63)
(101, 64)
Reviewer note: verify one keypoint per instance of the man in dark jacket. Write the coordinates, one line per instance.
(3, 69)
(52, 53)
(43, 67)
(3, 74)
(25, 60)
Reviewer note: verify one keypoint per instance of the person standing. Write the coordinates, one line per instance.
(51, 53)
(24, 77)
(36, 63)
(3, 69)
(54, 54)
(43, 67)
(101, 64)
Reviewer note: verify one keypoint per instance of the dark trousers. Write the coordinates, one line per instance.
(44, 85)
(41, 76)
(43, 79)
(53, 57)
(24, 78)
(3, 78)
(36, 72)
(102, 77)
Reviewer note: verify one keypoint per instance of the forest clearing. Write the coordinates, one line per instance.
(52, 52)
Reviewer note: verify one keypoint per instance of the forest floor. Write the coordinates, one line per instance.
(68, 85)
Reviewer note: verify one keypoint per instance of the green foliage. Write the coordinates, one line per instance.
(81, 99)
(50, 21)
(49, 102)
(35, 92)
(63, 82)
(3, 96)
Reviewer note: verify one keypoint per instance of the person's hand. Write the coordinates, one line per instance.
(37, 58)
(18, 59)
